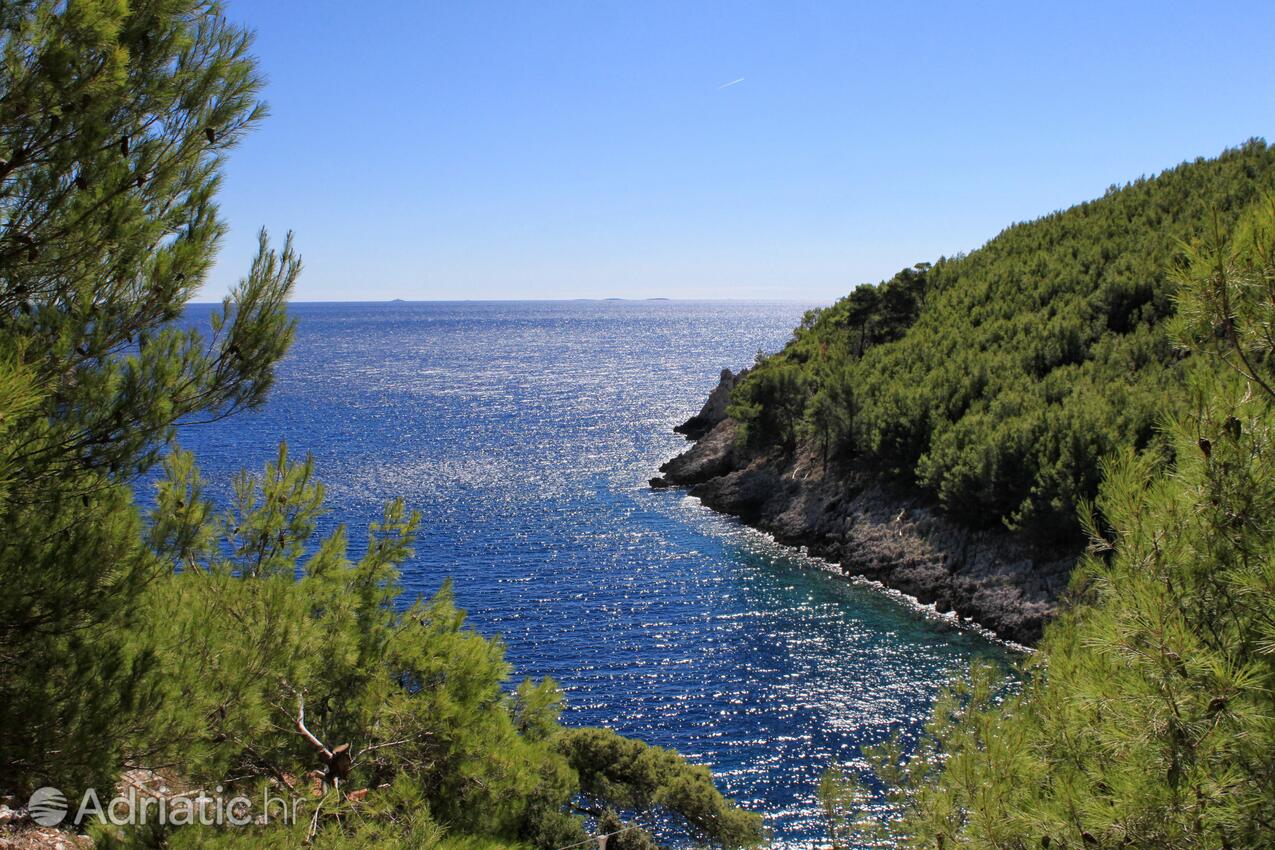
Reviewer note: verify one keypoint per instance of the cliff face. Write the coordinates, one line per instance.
(714, 409)
(871, 528)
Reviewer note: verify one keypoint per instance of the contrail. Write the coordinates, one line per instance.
(731, 83)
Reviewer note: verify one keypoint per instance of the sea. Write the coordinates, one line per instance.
(525, 433)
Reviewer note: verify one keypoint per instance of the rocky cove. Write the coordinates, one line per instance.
(871, 527)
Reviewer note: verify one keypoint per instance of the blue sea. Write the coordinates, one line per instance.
(525, 432)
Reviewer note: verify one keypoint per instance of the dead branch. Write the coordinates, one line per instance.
(307, 734)
(337, 760)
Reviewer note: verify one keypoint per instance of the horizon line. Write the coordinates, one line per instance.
(526, 300)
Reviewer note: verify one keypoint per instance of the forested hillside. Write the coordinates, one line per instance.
(1145, 720)
(997, 381)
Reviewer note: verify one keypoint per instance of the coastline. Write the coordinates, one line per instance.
(870, 528)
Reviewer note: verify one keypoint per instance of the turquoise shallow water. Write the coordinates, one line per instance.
(525, 433)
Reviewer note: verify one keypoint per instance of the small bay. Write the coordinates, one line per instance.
(524, 432)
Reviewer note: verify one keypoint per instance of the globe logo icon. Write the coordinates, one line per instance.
(47, 806)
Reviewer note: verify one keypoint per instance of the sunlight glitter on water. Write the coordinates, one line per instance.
(525, 433)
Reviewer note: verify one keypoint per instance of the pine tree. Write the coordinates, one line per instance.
(279, 657)
(1146, 719)
(223, 647)
(114, 122)
(996, 381)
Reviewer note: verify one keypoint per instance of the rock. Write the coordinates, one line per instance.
(874, 529)
(713, 455)
(750, 494)
(714, 410)
(34, 837)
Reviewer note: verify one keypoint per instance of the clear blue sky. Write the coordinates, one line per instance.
(588, 149)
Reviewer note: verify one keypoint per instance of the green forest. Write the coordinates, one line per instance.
(1106, 372)
(1147, 717)
(999, 380)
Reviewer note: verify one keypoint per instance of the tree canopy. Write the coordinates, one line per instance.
(114, 124)
(998, 380)
(1147, 718)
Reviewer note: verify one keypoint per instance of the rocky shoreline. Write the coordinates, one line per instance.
(871, 528)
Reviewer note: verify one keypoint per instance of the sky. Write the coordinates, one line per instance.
(784, 150)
